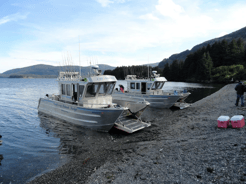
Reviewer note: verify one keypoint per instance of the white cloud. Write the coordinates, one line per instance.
(148, 16)
(13, 17)
(169, 9)
(104, 3)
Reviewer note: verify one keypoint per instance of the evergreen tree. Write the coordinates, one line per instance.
(181, 71)
(241, 52)
(174, 70)
(209, 66)
(166, 71)
(204, 67)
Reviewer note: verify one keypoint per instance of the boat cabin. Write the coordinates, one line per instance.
(92, 91)
(151, 85)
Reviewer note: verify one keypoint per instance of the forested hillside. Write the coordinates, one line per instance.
(221, 62)
(241, 33)
(140, 71)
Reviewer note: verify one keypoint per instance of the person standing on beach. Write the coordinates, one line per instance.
(240, 88)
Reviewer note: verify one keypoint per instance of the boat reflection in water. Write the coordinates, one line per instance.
(74, 140)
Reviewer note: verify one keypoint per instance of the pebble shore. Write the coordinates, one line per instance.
(183, 146)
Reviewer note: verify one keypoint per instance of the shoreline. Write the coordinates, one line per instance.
(180, 146)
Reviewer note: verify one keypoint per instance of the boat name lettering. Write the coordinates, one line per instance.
(65, 106)
(62, 106)
(58, 105)
(74, 108)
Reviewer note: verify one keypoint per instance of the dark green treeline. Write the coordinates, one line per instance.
(221, 62)
(140, 71)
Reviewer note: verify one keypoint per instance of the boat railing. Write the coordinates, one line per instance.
(99, 105)
(131, 96)
(53, 97)
(69, 76)
(140, 99)
(177, 93)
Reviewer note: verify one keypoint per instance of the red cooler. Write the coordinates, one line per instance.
(237, 121)
(223, 121)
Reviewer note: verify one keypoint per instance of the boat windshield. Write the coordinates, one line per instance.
(110, 88)
(100, 88)
(157, 85)
(91, 90)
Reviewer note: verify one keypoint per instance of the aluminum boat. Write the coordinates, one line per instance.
(149, 89)
(87, 101)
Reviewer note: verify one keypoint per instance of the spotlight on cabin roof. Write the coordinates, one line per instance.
(155, 75)
(95, 67)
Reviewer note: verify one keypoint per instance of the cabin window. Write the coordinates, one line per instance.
(110, 88)
(91, 90)
(157, 85)
(68, 90)
(63, 89)
(81, 90)
(137, 85)
(132, 85)
(149, 86)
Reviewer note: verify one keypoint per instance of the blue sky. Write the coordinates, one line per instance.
(114, 32)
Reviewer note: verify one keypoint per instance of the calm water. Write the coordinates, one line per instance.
(34, 144)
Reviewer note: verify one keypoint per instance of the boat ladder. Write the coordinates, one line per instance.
(182, 105)
(130, 123)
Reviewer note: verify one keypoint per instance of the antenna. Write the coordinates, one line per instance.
(90, 67)
(148, 66)
(79, 59)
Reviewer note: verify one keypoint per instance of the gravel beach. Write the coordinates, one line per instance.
(183, 146)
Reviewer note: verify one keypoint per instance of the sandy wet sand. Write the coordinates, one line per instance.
(183, 146)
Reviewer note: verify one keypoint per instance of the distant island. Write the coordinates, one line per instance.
(47, 71)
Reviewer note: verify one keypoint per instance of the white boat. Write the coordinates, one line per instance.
(87, 101)
(150, 89)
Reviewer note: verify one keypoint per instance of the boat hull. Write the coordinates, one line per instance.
(159, 101)
(156, 101)
(99, 119)
(134, 105)
(183, 97)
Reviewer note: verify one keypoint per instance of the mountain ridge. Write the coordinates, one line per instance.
(50, 71)
(241, 33)
(42, 70)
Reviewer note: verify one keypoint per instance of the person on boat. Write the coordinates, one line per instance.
(240, 88)
(122, 88)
